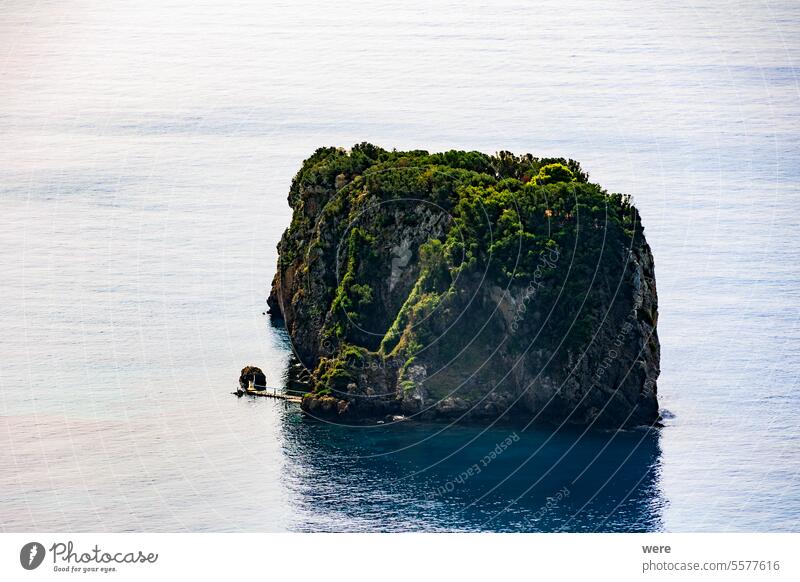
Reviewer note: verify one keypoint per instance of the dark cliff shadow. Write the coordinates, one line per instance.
(429, 477)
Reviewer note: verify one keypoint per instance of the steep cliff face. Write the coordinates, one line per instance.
(468, 287)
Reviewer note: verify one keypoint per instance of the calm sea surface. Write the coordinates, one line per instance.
(147, 149)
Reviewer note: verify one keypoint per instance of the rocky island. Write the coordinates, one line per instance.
(465, 286)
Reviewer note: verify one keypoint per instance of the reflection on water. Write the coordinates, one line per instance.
(420, 476)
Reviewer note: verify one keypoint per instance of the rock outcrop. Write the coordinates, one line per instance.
(254, 375)
(463, 286)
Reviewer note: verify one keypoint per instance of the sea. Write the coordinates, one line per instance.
(146, 156)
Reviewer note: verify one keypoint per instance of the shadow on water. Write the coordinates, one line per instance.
(428, 477)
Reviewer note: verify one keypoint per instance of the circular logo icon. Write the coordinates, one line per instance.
(31, 555)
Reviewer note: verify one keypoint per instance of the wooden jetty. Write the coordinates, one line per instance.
(293, 396)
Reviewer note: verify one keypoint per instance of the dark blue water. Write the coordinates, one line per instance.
(423, 477)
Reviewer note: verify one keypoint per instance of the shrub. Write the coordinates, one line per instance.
(552, 174)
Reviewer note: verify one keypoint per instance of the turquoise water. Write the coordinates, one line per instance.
(146, 157)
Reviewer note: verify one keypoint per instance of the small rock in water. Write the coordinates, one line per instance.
(252, 374)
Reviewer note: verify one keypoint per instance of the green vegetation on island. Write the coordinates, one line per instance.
(465, 284)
